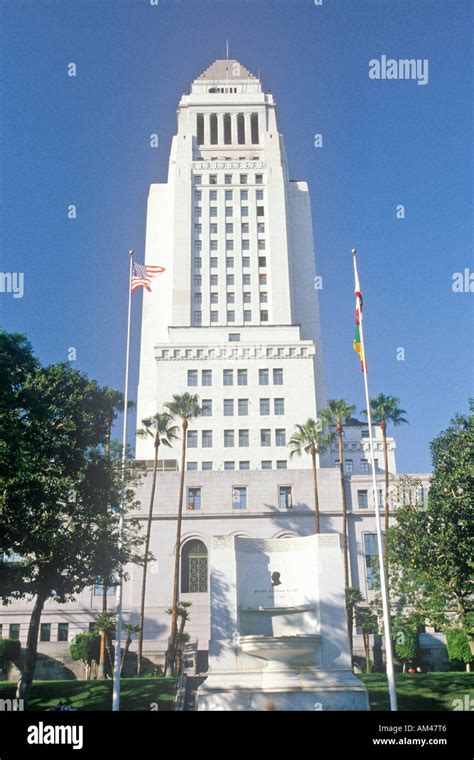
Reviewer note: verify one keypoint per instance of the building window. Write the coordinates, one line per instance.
(192, 377)
(245, 465)
(364, 463)
(254, 129)
(349, 465)
(266, 464)
(229, 261)
(191, 466)
(197, 179)
(192, 439)
(229, 246)
(380, 497)
(244, 211)
(246, 245)
(197, 280)
(194, 499)
(260, 211)
(213, 245)
(245, 279)
(265, 437)
(362, 499)
(228, 376)
(229, 465)
(280, 437)
(206, 406)
(194, 568)
(239, 497)
(63, 631)
(198, 298)
(247, 297)
(364, 434)
(244, 195)
(261, 245)
(285, 498)
(214, 280)
(264, 406)
(277, 377)
(264, 316)
(197, 261)
(14, 631)
(240, 129)
(246, 264)
(213, 179)
(197, 246)
(207, 465)
(200, 129)
(214, 316)
(227, 178)
(245, 228)
(234, 337)
(260, 225)
(241, 377)
(207, 439)
(231, 316)
(263, 376)
(262, 262)
(197, 317)
(229, 227)
(213, 262)
(45, 632)
(206, 377)
(279, 405)
(259, 179)
(243, 407)
(99, 588)
(214, 298)
(213, 212)
(281, 464)
(263, 297)
(230, 296)
(213, 228)
(243, 179)
(228, 407)
(197, 229)
(243, 438)
(229, 211)
(228, 438)
(371, 560)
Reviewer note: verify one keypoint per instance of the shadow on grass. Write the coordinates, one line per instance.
(420, 691)
(136, 694)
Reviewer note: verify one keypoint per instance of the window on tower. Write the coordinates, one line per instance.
(207, 439)
(228, 407)
(240, 129)
(264, 316)
(227, 129)
(265, 437)
(200, 129)
(206, 377)
(263, 376)
(213, 125)
(228, 438)
(254, 129)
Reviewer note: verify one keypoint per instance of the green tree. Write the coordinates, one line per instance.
(312, 439)
(385, 410)
(85, 648)
(457, 644)
(10, 651)
(56, 488)
(366, 620)
(159, 428)
(353, 598)
(105, 625)
(338, 414)
(132, 630)
(184, 407)
(405, 637)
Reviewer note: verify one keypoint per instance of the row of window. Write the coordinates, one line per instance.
(229, 212)
(229, 244)
(230, 316)
(228, 195)
(45, 632)
(222, 132)
(232, 439)
(212, 179)
(266, 464)
(230, 279)
(239, 498)
(241, 407)
(364, 464)
(363, 498)
(241, 375)
(230, 296)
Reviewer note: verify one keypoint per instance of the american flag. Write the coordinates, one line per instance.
(143, 274)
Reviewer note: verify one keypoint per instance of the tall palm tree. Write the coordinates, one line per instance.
(105, 624)
(131, 628)
(159, 428)
(337, 414)
(311, 438)
(385, 409)
(184, 406)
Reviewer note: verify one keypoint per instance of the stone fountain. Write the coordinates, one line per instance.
(278, 627)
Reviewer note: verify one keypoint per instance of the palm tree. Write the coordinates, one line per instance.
(385, 409)
(131, 629)
(160, 429)
(185, 407)
(311, 438)
(104, 625)
(337, 414)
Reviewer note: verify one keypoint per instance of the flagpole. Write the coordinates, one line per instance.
(383, 577)
(118, 607)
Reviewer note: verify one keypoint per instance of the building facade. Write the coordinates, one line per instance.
(235, 320)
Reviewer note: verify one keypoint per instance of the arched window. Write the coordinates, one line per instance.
(227, 129)
(213, 129)
(240, 129)
(194, 568)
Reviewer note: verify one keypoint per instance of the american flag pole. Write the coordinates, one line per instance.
(383, 575)
(118, 607)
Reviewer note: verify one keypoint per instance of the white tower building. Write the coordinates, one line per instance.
(235, 317)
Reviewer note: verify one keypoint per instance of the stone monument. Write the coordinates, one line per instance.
(278, 627)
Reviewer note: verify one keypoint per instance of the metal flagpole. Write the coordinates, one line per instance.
(118, 607)
(383, 577)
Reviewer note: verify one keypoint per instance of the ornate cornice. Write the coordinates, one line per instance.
(210, 353)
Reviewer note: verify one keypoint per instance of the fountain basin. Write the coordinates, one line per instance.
(280, 649)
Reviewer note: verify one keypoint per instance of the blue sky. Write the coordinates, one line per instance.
(85, 141)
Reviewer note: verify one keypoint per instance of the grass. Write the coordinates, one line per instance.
(420, 691)
(136, 694)
(423, 691)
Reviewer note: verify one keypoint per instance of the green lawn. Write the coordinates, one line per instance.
(136, 694)
(426, 691)
(420, 691)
